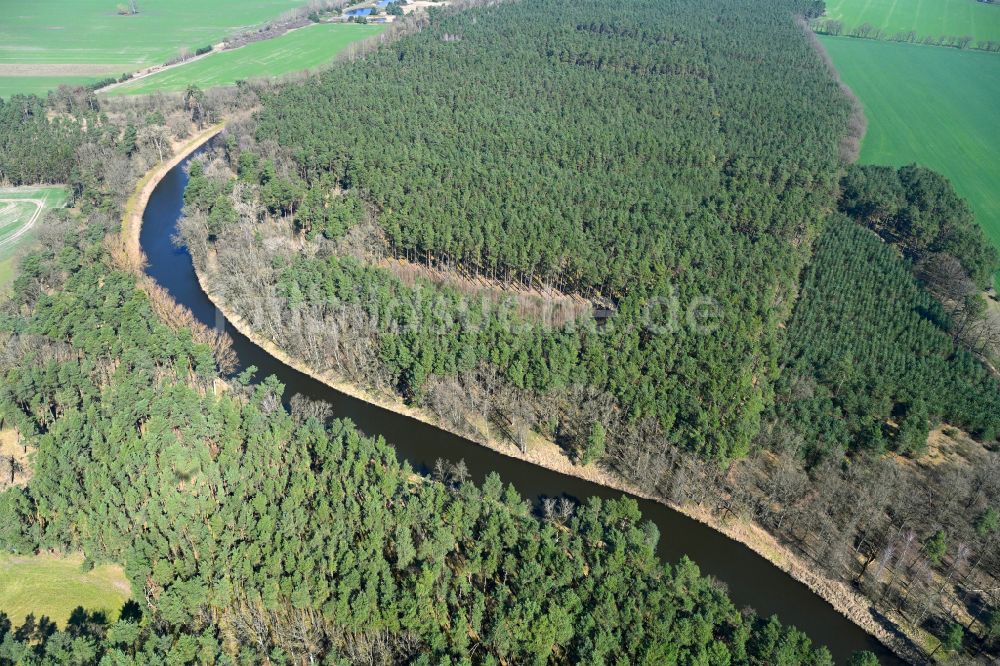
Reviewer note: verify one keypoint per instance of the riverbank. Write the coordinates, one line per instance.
(548, 455)
(135, 207)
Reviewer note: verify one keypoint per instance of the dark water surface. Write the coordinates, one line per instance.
(752, 580)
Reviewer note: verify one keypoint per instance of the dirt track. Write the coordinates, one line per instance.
(11, 240)
(156, 69)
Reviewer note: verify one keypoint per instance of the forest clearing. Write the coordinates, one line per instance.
(52, 586)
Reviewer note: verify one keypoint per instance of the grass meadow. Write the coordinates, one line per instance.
(53, 586)
(307, 48)
(935, 106)
(89, 38)
(928, 18)
(19, 207)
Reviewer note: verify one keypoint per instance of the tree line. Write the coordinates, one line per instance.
(827, 26)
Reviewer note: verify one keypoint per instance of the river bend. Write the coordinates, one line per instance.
(751, 579)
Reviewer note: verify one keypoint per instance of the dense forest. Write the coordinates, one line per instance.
(753, 353)
(672, 169)
(889, 332)
(643, 158)
(250, 533)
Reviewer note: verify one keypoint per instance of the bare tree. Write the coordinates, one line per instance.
(250, 622)
(440, 471)
(786, 484)
(972, 323)
(549, 508)
(565, 509)
(155, 137)
(944, 276)
(304, 408)
(884, 558)
(179, 125)
(459, 472)
(246, 202)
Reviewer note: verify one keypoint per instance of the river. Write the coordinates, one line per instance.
(751, 580)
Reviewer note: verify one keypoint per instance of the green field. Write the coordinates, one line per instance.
(19, 214)
(307, 48)
(90, 33)
(933, 106)
(54, 586)
(932, 18)
(40, 85)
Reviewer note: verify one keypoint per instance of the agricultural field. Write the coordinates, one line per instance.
(40, 85)
(20, 210)
(53, 586)
(44, 44)
(934, 106)
(303, 49)
(932, 18)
